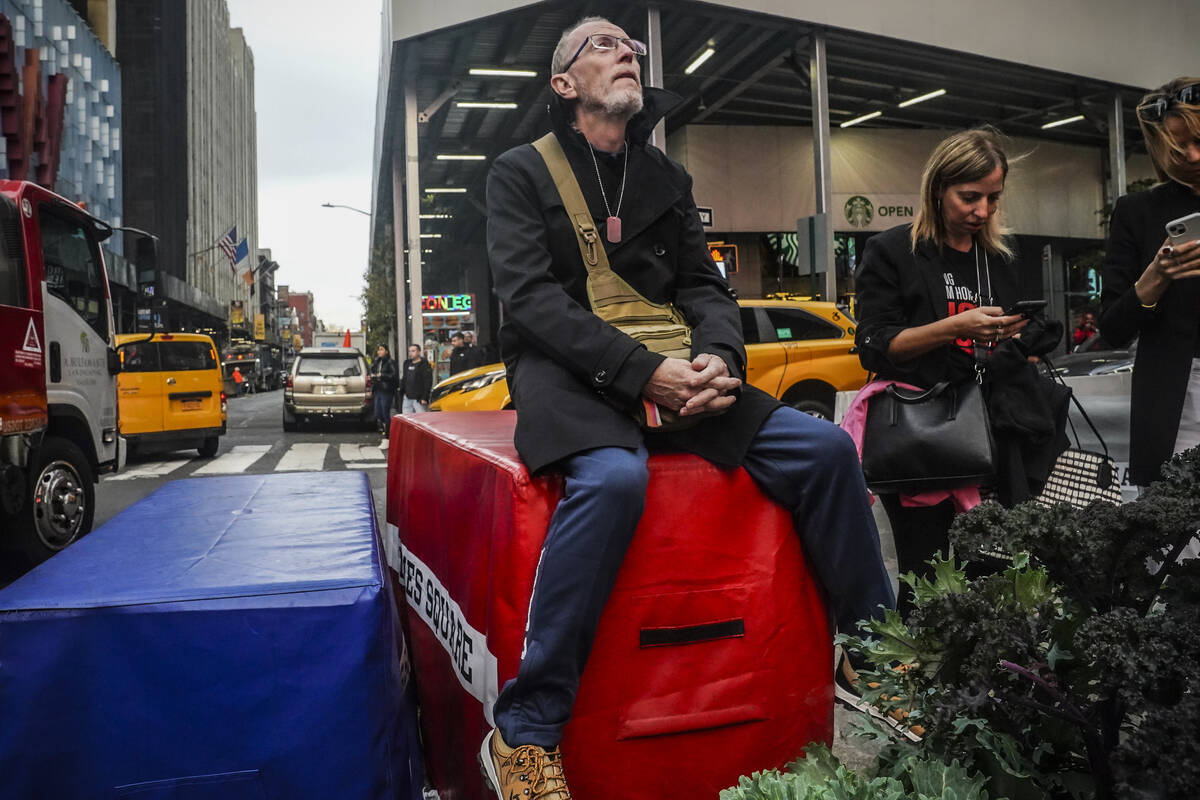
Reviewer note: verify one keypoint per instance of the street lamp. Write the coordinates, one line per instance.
(339, 205)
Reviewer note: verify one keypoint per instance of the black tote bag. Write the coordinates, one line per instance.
(936, 439)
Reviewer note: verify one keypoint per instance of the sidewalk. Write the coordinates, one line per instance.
(854, 751)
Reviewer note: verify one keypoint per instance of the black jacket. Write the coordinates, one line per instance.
(475, 356)
(1167, 334)
(460, 360)
(573, 376)
(895, 289)
(898, 288)
(416, 380)
(384, 373)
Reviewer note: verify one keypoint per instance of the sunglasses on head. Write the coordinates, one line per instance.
(607, 41)
(1154, 109)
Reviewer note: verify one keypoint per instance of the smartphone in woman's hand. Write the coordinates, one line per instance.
(1025, 307)
(1184, 229)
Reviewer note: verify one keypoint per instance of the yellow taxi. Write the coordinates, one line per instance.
(169, 392)
(800, 351)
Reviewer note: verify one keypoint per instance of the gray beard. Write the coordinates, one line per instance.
(623, 104)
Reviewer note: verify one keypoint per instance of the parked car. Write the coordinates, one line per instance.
(169, 392)
(1096, 357)
(329, 383)
(800, 351)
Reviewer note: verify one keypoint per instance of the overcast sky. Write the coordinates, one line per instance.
(315, 74)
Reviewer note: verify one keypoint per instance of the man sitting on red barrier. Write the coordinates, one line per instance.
(575, 379)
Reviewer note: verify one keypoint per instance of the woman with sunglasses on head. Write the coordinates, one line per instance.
(931, 307)
(1152, 287)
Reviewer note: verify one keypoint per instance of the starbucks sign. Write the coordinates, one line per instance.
(874, 212)
(859, 211)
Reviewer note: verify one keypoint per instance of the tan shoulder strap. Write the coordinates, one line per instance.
(659, 326)
(590, 246)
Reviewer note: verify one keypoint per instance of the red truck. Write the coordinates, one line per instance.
(58, 396)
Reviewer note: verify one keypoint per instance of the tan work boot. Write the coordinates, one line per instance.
(527, 772)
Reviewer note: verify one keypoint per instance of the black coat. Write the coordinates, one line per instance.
(384, 373)
(898, 288)
(416, 380)
(460, 360)
(475, 356)
(572, 376)
(1167, 334)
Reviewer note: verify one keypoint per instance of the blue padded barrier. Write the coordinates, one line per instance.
(232, 637)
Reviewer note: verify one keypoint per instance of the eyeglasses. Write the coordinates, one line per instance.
(606, 41)
(1154, 110)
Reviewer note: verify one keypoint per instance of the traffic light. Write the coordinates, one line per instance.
(725, 256)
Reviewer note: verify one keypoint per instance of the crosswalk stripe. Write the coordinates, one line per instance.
(303, 456)
(153, 470)
(361, 452)
(239, 459)
(299, 457)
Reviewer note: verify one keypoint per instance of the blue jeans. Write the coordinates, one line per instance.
(807, 465)
(383, 409)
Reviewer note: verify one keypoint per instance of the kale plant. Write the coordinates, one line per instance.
(820, 776)
(1072, 670)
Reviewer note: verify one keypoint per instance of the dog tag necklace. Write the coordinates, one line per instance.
(612, 225)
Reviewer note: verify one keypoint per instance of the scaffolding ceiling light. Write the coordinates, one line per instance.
(445, 190)
(912, 101)
(502, 73)
(460, 157)
(863, 118)
(700, 59)
(1066, 121)
(482, 104)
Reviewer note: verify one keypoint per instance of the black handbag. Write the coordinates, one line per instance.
(936, 439)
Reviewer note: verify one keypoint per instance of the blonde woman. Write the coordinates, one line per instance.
(1151, 287)
(931, 299)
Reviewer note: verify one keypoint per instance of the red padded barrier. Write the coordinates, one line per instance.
(712, 559)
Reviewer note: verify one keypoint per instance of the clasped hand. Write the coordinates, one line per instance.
(691, 388)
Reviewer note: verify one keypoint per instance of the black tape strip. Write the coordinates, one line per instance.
(189, 395)
(691, 634)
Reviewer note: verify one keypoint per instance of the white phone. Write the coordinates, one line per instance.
(1184, 229)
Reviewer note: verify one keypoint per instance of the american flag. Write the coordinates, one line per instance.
(228, 245)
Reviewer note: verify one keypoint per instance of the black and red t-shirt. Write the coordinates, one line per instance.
(962, 291)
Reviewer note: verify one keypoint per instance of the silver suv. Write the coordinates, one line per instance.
(329, 383)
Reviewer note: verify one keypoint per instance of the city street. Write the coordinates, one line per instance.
(254, 444)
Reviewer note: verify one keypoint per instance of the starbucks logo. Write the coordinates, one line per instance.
(859, 211)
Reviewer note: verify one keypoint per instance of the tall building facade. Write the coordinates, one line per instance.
(222, 161)
(192, 170)
(303, 314)
(85, 113)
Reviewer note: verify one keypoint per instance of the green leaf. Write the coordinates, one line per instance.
(1057, 655)
(934, 779)
(1030, 587)
(947, 579)
(895, 642)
